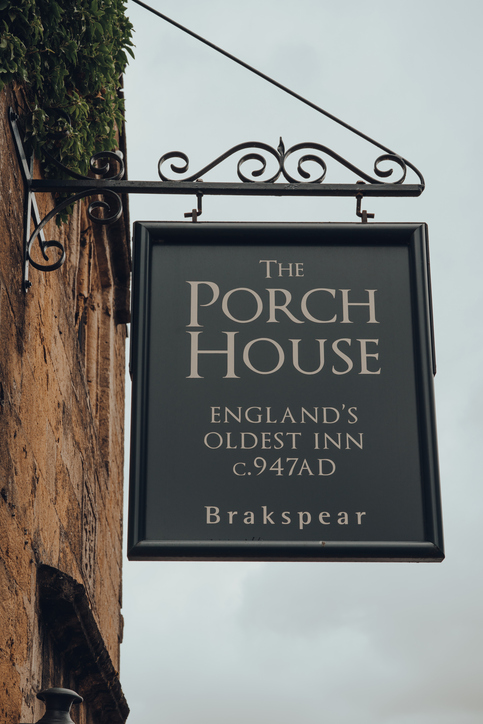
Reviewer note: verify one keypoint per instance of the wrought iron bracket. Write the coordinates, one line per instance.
(112, 206)
(281, 180)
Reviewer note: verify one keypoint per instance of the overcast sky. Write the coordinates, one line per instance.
(339, 643)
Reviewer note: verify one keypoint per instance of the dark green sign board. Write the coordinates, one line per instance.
(283, 393)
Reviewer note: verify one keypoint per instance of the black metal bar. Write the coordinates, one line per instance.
(30, 202)
(224, 189)
(27, 219)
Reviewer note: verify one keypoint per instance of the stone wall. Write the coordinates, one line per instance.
(62, 353)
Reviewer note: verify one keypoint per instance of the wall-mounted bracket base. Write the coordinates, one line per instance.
(112, 206)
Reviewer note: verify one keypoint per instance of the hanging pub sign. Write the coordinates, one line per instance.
(283, 394)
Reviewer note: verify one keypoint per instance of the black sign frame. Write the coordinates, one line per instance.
(407, 242)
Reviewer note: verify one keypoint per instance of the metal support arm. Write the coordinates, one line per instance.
(279, 181)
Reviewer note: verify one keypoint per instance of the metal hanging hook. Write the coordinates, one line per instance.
(362, 214)
(194, 213)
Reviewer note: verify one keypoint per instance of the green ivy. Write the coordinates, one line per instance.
(69, 55)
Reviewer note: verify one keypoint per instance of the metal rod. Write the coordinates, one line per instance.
(223, 189)
(271, 80)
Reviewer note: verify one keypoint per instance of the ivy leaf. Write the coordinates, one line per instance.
(70, 56)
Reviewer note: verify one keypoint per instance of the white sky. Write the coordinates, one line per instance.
(218, 643)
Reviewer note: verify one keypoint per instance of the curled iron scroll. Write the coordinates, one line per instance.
(253, 156)
(262, 152)
(96, 167)
(101, 170)
(113, 213)
(100, 164)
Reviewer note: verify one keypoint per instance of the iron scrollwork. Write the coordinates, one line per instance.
(100, 165)
(262, 152)
(114, 210)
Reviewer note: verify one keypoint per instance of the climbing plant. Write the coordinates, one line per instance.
(69, 56)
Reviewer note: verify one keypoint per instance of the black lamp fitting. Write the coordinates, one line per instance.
(58, 703)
